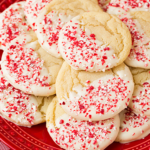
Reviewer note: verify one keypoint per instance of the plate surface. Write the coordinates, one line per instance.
(37, 137)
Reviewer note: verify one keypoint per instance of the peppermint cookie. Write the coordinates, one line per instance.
(132, 127)
(94, 96)
(29, 68)
(20, 108)
(33, 9)
(122, 6)
(140, 102)
(94, 41)
(54, 16)
(70, 133)
(13, 23)
(138, 24)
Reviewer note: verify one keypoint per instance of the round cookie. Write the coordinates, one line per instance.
(54, 16)
(94, 41)
(70, 133)
(140, 102)
(94, 96)
(13, 23)
(132, 127)
(20, 108)
(33, 9)
(29, 68)
(122, 6)
(138, 24)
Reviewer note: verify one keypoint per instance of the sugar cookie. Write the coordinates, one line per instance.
(20, 108)
(140, 102)
(132, 127)
(33, 9)
(54, 16)
(94, 96)
(29, 68)
(122, 6)
(94, 41)
(13, 23)
(138, 24)
(70, 133)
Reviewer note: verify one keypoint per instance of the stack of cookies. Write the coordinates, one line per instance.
(82, 70)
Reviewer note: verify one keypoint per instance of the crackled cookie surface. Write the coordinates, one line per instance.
(20, 108)
(138, 24)
(132, 127)
(122, 6)
(33, 9)
(29, 68)
(54, 16)
(140, 102)
(13, 23)
(70, 133)
(94, 41)
(94, 96)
